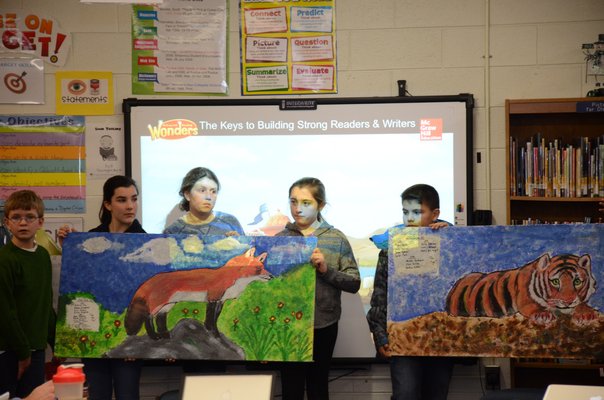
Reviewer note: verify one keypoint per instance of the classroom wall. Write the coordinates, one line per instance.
(438, 46)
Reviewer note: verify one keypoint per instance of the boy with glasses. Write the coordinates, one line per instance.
(27, 319)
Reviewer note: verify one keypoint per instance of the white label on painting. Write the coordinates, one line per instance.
(83, 314)
(416, 254)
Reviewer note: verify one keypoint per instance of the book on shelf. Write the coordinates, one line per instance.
(540, 168)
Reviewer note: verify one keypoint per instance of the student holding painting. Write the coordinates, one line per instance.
(117, 215)
(413, 378)
(336, 270)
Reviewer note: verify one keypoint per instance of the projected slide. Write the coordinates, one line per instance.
(363, 183)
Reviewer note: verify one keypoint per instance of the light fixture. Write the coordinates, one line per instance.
(594, 57)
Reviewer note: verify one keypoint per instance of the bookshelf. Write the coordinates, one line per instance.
(555, 160)
(555, 174)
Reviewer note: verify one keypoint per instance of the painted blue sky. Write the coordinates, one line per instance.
(112, 266)
(491, 248)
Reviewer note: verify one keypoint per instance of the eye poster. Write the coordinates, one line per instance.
(288, 47)
(84, 93)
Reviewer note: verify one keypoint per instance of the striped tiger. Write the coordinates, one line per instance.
(540, 290)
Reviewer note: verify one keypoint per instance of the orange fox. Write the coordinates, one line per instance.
(158, 294)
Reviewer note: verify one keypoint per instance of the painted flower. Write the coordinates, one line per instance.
(117, 323)
(256, 309)
(280, 305)
(195, 311)
(299, 315)
(272, 319)
(107, 335)
(83, 338)
(287, 320)
(92, 343)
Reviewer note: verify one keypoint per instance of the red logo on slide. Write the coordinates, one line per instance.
(431, 129)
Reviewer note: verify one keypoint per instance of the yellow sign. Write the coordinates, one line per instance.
(84, 93)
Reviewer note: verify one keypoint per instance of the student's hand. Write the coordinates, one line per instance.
(63, 232)
(45, 391)
(231, 233)
(438, 225)
(318, 261)
(384, 351)
(23, 365)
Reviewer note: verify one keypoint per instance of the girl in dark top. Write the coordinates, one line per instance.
(117, 215)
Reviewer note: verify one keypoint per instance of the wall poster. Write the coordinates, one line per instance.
(288, 47)
(44, 153)
(106, 155)
(22, 80)
(186, 297)
(497, 291)
(180, 47)
(33, 33)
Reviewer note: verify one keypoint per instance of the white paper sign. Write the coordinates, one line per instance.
(104, 150)
(83, 314)
(415, 254)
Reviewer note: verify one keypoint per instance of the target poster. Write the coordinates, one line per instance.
(22, 81)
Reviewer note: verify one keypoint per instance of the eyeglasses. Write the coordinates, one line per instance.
(15, 219)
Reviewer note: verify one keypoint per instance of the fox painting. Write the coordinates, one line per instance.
(156, 296)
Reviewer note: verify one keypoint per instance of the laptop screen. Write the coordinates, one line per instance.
(227, 387)
(574, 392)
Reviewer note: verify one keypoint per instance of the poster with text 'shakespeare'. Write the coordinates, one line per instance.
(180, 47)
(288, 47)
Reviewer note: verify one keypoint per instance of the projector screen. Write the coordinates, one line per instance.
(365, 150)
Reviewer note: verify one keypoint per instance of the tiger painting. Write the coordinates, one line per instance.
(540, 291)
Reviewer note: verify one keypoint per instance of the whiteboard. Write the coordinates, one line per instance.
(365, 150)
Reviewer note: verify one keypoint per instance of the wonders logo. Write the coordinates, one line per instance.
(173, 129)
